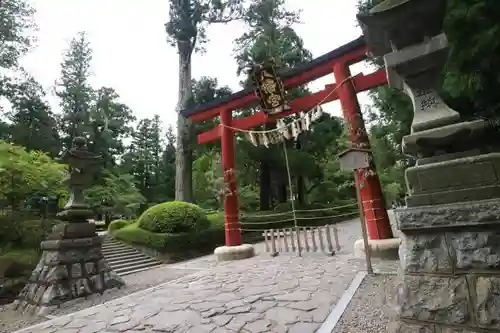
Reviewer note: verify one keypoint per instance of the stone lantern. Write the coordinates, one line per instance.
(72, 264)
(450, 253)
(83, 167)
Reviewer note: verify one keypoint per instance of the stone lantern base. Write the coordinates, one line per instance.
(70, 267)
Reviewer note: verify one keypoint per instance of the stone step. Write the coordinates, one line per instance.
(135, 268)
(124, 254)
(130, 263)
(111, 242)
(136, 258)
(114, 247)
(117, 256)
(106, 245)
(125, 259)
(124, 250)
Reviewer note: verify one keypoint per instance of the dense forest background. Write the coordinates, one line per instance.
(139, 155)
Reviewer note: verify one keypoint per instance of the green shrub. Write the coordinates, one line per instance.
(174, 217)
(216, 220)
(10, 222)
(31, 234)
(24, 229)
(18, 263)
(198, 241)
(119, 224)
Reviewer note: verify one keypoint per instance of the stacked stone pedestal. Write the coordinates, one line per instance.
(451, 260)
(71, 266)
(451, 237)
(450, 252)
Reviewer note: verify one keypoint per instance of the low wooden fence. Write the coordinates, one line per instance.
(302, 239)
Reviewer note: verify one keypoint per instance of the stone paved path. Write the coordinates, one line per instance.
(284, 294)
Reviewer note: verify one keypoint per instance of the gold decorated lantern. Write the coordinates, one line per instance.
(269, 88)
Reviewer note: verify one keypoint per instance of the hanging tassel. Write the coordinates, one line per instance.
(319, 112)
(252, 138)
(314, 114)
(285, 132)
(295, 130)
(275, 137)
(283, 129)
(299, 124)
(307, 120)
(303, 122)
(265, 139)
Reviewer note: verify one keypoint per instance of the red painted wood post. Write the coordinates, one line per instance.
(231, 209)
(377, 220)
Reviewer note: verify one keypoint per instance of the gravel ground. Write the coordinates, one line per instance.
(372, 307)
(11, 321)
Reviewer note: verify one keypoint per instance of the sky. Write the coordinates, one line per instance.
(130, 52)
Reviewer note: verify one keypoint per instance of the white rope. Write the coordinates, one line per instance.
(302, 218)
(297, 120)
(292, 198)
(299, 211)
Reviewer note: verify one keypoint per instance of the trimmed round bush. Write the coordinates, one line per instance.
(174, 217)
(118, 224)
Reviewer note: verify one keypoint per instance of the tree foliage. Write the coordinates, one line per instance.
(15, 37)
(74, 90)
(117, 191)
(24, 174)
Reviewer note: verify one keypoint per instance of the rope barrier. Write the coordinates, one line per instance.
(242, 216)
(298, 211)
(264, 230)
(300, 218)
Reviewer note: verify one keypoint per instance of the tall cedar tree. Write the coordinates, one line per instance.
(186, 30)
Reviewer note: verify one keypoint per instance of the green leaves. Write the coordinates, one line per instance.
(24, 174)
(270, 35)
(188, 20)
(117, 190)
(16, 31)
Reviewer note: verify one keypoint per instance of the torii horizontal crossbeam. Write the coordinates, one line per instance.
(361, 83)
(352, 52)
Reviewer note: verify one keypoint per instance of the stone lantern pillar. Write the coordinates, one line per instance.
(72, 264)
(450, 253)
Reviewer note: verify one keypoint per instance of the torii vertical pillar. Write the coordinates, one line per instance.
(233, 249)
(371, 196)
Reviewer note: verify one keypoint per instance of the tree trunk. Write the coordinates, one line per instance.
(184, 151)
(265, 186)
(301, 198)
(282, 184)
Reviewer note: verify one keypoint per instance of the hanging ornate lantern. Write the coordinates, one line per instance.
(269, 88)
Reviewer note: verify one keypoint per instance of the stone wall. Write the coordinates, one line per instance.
(68, 269)
(451, 262)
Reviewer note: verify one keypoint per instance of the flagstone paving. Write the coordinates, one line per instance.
(286, 294)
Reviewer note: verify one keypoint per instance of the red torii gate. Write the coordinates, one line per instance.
(336, 61)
